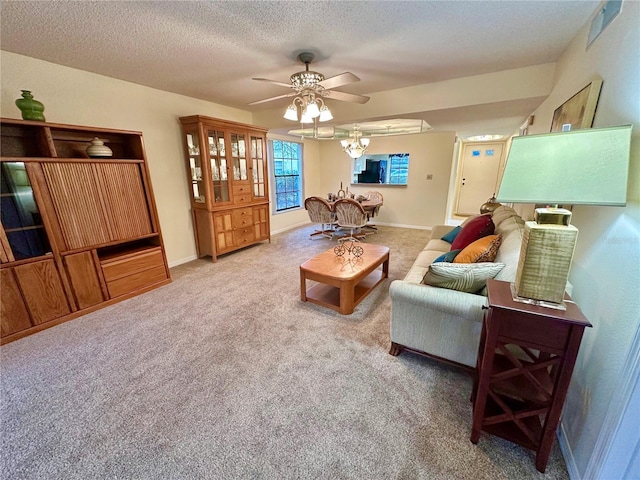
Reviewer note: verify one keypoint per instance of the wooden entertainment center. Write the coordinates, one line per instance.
(77, 233)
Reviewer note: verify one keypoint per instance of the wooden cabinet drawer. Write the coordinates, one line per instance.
(127, 264)
(242, 193)
(242, 217)
(136, 281)
(245, 236)
(131, 271)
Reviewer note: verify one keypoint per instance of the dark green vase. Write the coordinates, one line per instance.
(31, 108)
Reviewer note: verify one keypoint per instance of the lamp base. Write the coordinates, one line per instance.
(533, 301)
(545, 260)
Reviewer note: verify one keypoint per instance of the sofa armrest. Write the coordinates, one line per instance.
(453, 302)
(437, 231)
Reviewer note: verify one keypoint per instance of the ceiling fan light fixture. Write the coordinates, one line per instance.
(312, 110)
(305, 118)
(291, 113)
(325, 114)
(355, 148)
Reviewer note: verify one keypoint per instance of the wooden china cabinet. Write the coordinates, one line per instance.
(227, 174)
(76, 233)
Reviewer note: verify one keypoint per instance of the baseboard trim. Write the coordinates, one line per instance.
(567, 453)
(402, 225)
(290, 227)
(175, 263)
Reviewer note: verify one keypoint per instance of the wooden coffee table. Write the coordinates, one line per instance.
(343, 281)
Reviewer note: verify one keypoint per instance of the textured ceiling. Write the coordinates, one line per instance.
(211, 49)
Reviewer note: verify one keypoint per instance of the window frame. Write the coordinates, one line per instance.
(274, 177)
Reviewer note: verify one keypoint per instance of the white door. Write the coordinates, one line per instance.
(479, 176)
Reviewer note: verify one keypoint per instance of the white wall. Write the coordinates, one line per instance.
(420, 204)
(606, 267)
(81, 98)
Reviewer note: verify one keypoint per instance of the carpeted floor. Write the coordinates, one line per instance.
(226, 374)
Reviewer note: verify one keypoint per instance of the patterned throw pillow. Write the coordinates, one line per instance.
(451, 236)
(464, 277)
(479, 227)
(482, 250)
(447, 257)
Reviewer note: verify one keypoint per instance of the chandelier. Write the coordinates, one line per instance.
(355, 147)
(308, 98)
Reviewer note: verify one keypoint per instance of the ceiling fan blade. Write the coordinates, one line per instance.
(273, 98)
(275, 82)
(346, 97)
(339, 80)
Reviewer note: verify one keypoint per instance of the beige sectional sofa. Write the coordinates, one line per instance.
(445, 323)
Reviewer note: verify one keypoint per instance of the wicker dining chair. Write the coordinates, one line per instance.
(321, 212)
(350, 216)
(377, 196)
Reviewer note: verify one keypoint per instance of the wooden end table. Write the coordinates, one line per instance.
(343, 281)
(525, 361)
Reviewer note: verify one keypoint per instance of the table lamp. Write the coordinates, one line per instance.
(580, 167)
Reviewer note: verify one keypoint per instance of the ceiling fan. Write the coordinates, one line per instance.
(309, 89)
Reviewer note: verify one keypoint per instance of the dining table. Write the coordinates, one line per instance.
(369, 206)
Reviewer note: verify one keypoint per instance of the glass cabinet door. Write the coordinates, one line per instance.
(21, 219)
(239, 157)
(218, 158)
(195, 163)
(258, 162)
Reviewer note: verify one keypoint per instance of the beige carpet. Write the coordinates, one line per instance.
(226, 374)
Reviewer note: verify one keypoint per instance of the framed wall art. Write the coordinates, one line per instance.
(578, 111)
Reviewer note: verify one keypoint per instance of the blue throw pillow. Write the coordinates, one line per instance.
(447, 257)
(451, 236)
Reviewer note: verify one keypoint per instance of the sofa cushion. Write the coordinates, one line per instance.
(421, 265)
(509, 225)
(472, 218)
(479, 227)
(464, 277)
(509, 254)
(438, 245)
(451, 236)
(503, 213)
(447, 257)
(484, 249)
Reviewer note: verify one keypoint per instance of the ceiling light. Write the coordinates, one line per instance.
(305, 118)
(355, 147)
(325, 114)
(312, 110)
(311, 106)
(291, 113)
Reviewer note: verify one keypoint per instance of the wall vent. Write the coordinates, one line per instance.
(603, 18)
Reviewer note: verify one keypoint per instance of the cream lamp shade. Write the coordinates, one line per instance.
(580, 167)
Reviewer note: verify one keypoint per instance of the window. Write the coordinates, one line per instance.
(287, 168)
(399, 168)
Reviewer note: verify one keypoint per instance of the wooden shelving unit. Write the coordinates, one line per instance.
(66, 218)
